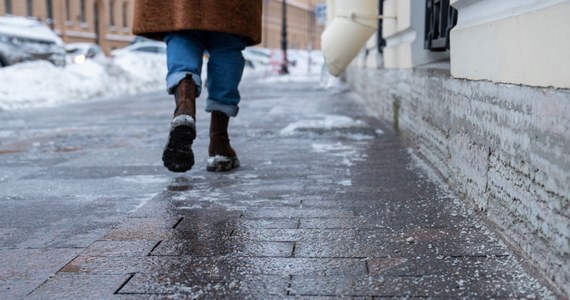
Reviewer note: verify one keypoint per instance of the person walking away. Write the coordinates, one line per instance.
(223, 28)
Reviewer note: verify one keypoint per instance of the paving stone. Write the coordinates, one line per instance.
(150, 229)
(120, 248)
(204, 287)
(297, 213)
(340, 247)
(341, 223)
(294, 234)
(79, 286)
(269, 223)
(218, 247)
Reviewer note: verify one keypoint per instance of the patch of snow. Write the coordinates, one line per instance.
(40, 83)
(333, 85)
(322, 148)
(324, 122)
(358, 136)
(145, 179)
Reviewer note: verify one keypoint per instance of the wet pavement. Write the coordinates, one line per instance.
(328, 202)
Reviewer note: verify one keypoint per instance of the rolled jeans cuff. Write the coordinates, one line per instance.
(229, 110)
(173, 80)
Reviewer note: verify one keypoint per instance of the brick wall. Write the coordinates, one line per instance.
(506, 148)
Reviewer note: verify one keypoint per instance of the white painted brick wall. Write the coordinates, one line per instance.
(505, 147)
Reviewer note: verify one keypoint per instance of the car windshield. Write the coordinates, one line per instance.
(27, 29)
(74, 51)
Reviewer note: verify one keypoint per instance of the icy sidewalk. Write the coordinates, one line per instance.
(328, 202)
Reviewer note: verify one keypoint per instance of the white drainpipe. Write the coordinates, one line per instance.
(353, 23)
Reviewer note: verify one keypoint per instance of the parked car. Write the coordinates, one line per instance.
(150, 47)
(23, 39)
(78, 53)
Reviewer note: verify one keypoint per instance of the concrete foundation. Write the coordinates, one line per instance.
(506, 148)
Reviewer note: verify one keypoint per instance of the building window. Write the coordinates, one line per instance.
(49, 7)
(30, 8)
(112, 13)
(8, 7)
(82, 11)
(125, 14)
(440, 18)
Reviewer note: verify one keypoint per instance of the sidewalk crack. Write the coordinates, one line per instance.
(154, 248)
(177, 223)
(124, 283)
(294, 248)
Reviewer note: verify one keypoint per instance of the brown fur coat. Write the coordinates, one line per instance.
(154, 18)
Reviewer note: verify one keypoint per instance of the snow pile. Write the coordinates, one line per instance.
(39, 83)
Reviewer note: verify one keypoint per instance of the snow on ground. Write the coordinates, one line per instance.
(39, 83)
(324, 123)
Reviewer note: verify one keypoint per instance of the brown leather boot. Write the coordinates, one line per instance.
(177, 155)
(222, 156)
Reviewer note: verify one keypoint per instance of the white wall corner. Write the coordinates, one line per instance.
(512, 41)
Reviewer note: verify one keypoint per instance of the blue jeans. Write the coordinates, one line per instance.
(184, 51)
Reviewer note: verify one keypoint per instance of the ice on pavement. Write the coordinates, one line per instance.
(324, 122)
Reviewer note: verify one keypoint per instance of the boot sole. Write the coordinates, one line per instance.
(177, 155)
(222, 163)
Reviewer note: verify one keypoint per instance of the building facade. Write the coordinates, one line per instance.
(109, 22)
(303, 32)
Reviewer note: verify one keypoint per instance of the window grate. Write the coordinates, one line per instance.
(381, 41)
(440, 18)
